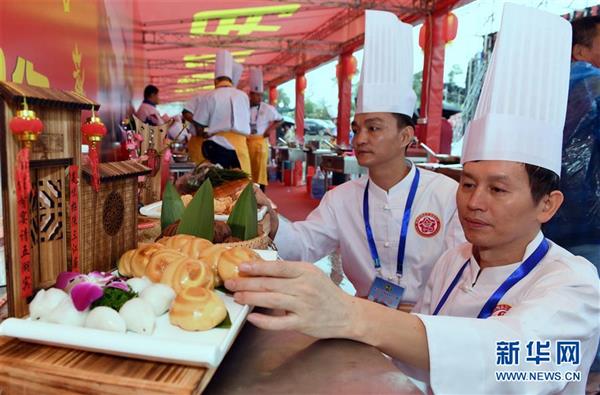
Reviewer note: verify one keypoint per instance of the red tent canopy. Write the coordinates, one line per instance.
(180, 38)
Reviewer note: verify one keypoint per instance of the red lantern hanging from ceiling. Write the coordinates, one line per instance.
(93, 131)
(26, 126)
(449, 30)
(301, 84)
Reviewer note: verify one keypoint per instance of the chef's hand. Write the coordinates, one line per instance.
(263, 200)
(314, 305)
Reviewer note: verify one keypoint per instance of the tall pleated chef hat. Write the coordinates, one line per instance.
(224, 64)
(256, 80)
(521, 111)
(386, 76)
(237, 71)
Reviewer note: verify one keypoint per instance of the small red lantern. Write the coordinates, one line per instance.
(273, 95)
(26, 126)
(300, 84)
(449, 30)
(93, 131)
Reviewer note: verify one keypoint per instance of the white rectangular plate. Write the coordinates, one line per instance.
(168, 343)
(152, 210)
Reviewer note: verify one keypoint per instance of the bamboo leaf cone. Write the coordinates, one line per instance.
(242, 220)
(172, 207)
(198, 217)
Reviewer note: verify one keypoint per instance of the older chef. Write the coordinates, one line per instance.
(392, 226)
(225, 116)
(264, 119)
(508, 304)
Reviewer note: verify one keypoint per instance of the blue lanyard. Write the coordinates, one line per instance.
(404, 229)
(516, 276)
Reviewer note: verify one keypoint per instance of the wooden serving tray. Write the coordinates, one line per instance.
(27, 368)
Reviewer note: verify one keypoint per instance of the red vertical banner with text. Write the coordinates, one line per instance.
(23, 186)
(74, 216)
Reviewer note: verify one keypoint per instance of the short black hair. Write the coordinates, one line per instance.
(542, 181)
(150, 90)
(585, 29)
(223, 78)
(403, 120)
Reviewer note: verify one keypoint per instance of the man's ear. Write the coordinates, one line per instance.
(406, 135)
(581, 53)
(549, 206)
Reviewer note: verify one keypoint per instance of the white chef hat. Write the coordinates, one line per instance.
(256, 80)
(386, 76)
(238, 69)
(224, 64)
(521, 111)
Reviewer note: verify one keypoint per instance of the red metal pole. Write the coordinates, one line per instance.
(344, 98)
(300, 86)
(429, 129)
(273, 95)
(273, 102)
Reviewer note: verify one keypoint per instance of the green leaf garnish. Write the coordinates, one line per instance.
(199, 216)
(226, 323)
(242, 220)
(172, 206)
(114, 298)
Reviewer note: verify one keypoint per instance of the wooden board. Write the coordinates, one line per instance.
(27, 368)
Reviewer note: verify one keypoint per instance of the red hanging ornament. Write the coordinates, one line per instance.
(449, 30)
(93, 131)
(26, 127)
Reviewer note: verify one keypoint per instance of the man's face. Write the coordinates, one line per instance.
(154, 98)
(255, 98)
(495, 205)
(589, 54)
(377, 138)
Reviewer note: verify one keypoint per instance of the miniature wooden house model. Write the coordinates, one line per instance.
(56, 149)
(108, 220)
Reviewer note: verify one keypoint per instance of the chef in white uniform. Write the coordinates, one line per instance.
(509, 301)
(396, 223)
(264, 119)
(225, 117)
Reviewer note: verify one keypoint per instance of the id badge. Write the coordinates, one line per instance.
(386, 293)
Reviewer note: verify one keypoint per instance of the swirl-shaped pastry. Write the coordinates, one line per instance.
(141, 257)
(211, 256)
(197, 309)
(159, 261)
(187, 244)
(230, 260)
(124, 264)
(188, 273)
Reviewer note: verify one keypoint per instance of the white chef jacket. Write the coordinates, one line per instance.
(194, 103)
(225, 109)
(558, 300)
(338, 223)
(262, 116)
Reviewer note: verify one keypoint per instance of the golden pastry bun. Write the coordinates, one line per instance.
(197, 309)
(230, 260)
(188, 273)
(187, 244)
(211, 257)
(141, 257)
(159, 261)
(124, 264)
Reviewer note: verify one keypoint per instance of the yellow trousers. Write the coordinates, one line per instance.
(259, 156)
(241, 149)
(195, 149)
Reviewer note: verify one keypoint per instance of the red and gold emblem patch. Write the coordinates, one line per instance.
(428, 224)
(500, 310)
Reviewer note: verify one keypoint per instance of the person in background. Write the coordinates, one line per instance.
(264, 120)
(509, 312)
(195, 141)
(392, 226)
(576, 226)
(225, 118)
(147, 112)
